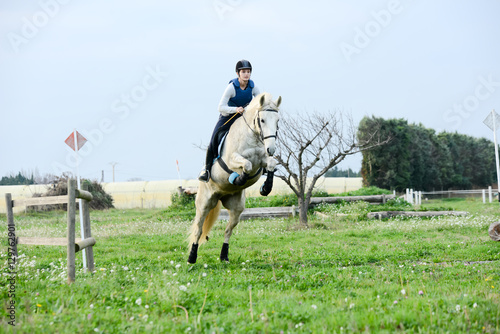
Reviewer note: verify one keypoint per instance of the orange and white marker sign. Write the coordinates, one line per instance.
(80, 140)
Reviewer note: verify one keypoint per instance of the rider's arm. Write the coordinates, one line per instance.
(255, 91)
(224, 109)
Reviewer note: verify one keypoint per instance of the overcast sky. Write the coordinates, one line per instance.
(142, 79)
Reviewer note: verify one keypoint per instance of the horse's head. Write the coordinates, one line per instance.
(267, 118)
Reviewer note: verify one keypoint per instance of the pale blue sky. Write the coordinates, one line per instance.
(143, 78)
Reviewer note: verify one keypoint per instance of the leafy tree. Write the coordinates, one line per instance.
(335, 172)
(418, 158)
(386, 166)
(18, 179)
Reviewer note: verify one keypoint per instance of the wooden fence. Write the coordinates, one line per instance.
(73, 245)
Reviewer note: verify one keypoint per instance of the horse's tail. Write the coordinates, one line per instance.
(207, 225)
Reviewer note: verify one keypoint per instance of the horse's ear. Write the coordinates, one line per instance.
(262, 100)
(278, 102)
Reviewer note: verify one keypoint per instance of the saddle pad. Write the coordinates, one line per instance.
(222, 139)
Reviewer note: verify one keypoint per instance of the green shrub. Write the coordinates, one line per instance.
(396, 204)
(183, 201)
(365, 191)
(320, 193)
(271, 201)
(182, 207)
(101, 199)
(59, 187)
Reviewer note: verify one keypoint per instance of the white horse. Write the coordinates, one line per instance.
(248, 149)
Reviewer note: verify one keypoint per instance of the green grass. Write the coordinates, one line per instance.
(344, 274)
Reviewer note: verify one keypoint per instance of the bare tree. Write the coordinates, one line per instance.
(311, 144)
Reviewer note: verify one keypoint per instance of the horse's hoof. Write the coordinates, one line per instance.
(194, 254)
(224, 254)
(264, 191)
(226, 260)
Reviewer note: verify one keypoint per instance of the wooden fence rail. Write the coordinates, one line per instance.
(381, 199)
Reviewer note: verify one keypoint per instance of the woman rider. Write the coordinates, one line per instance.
(236, 97)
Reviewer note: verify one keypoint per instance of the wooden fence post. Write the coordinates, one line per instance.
(71, 230)
(10, 221)
(87, 232)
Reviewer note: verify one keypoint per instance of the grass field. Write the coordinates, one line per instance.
(344, 274)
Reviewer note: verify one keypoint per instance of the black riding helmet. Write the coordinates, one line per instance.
(243, 65)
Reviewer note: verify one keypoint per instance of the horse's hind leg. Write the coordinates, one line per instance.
(235, 204)
(204, 204)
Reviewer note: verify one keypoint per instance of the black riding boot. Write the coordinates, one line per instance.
(205, 174)
(209, 161)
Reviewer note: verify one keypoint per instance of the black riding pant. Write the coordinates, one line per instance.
(220, 129)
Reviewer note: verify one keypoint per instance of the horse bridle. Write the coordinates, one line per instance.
(257, 119)
(260, 126)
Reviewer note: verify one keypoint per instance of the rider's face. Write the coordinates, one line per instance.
(245, 74)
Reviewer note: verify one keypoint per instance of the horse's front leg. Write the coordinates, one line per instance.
(267, 186)
(235, 204)
(238, 161)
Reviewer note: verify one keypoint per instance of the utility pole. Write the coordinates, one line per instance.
(102, 176)
(113, 164)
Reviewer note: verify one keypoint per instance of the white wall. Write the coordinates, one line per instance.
(157, 194)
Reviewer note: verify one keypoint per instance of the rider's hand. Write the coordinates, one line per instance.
(240, 110)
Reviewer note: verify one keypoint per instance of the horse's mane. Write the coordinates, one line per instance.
(254, 104)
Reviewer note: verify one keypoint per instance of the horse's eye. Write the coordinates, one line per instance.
(263, 121)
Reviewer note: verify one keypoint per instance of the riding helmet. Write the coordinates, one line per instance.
(242, 65)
